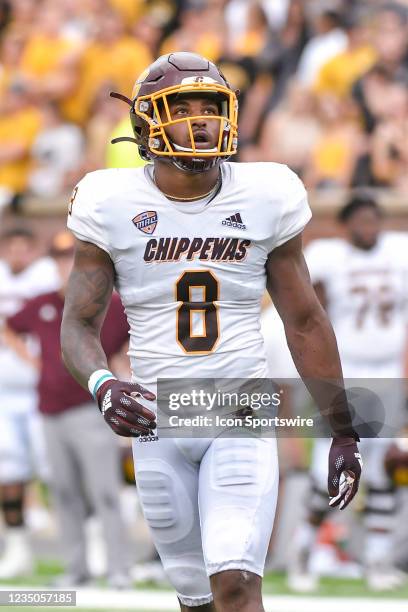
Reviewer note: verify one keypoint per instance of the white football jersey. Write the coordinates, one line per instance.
(367, 294)
(15, 289)
(280, 362)
(191, 277)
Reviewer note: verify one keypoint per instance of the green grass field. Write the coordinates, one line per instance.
(274, 584)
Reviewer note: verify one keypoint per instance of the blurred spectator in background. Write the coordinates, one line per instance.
(236, 14)
(22, 276)
(197, 33)
(275, 65)
(74, 51)
(56, 152)
(79, 18)
(254, 37)
(11, 49)
(328, 40)
(290, 131)
(332, 158)
(20, 123)
(83, 453)
(148, 31)
(391, 44)
(47, 54)
(4, 14)
(244, 40)
(22, 15)
(390, 141)
(111, 57)
(130, 10)
(284, 49)
(337, 76)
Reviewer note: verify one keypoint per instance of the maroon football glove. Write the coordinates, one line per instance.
(118, 404)
(344, 471)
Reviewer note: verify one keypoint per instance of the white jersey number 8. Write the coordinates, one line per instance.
(201, 284)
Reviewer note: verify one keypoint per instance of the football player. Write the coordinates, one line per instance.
(190, 241)
(22, 450)
(361, 280)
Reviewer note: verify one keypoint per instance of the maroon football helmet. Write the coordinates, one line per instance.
(169, 75)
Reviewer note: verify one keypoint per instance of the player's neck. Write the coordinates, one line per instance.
(184, 185)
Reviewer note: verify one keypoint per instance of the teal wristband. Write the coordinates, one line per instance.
(97, 379)
(99, 383)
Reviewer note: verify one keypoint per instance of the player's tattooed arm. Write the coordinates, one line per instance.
(87, 299)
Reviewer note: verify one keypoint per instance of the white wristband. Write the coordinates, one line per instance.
(97, 379)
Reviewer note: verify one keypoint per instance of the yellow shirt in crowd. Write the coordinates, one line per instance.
(20, 127)
(208, 45)
(338, 74)
(117, 65)
(130, 10)
(44, 55)
(330, 157)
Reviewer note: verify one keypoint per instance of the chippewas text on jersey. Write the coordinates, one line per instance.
(204, 249)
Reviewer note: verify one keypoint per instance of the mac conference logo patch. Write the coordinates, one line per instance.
(146, 221)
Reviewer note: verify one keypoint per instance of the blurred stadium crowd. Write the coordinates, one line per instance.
(323, 88)
(324, 85)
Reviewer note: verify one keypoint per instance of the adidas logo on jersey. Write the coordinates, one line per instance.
(234, 221)
(106, 404)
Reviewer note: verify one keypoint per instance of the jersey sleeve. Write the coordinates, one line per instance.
(318, 260)
(85, 213)
(296, 212)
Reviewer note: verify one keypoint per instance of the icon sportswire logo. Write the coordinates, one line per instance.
(234, 221)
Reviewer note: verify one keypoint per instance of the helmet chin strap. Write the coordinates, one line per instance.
(188, 150)
(194, 164)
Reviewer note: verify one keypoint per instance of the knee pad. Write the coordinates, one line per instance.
(166, 503)
(244, 464)
(168, 506)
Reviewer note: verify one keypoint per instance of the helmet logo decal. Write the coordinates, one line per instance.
(197, 79)
(146, 221)
(139, 82)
